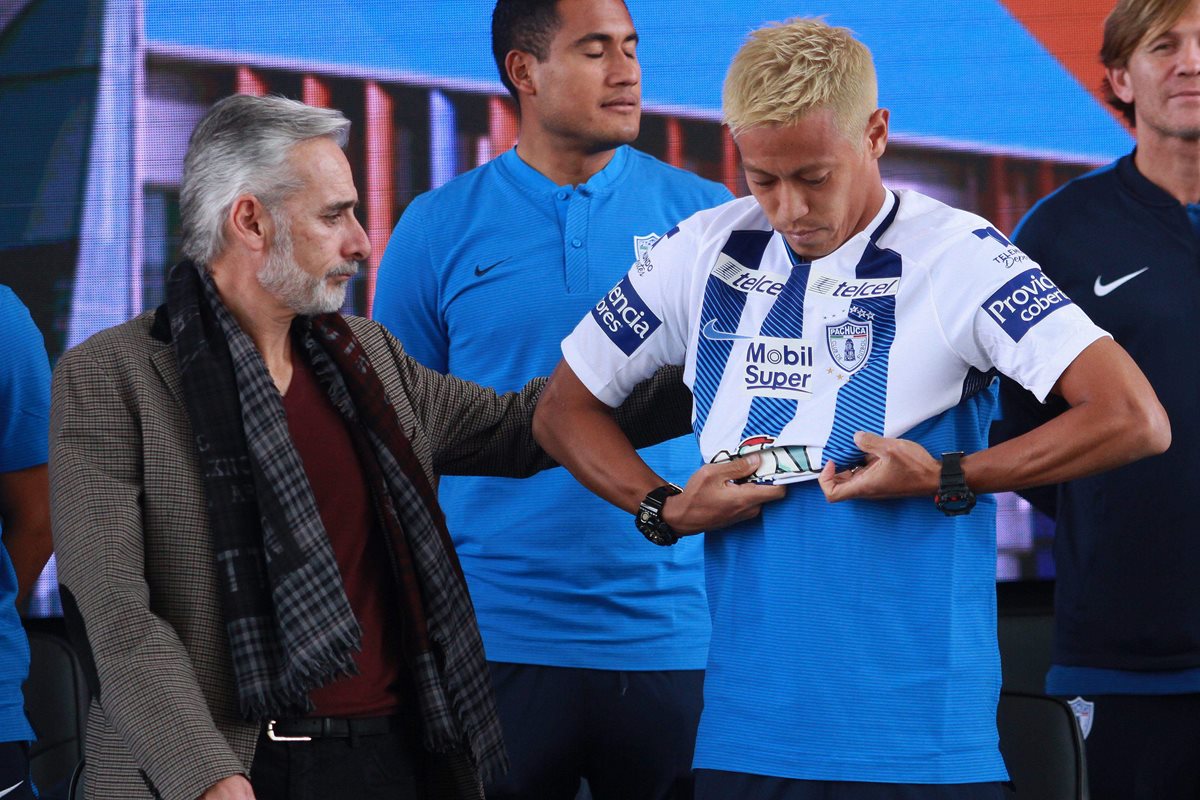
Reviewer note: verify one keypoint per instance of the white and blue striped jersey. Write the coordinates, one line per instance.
(854, 641)
(892, 328)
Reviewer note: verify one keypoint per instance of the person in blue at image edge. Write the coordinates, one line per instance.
(853, 649)
(25, 521)
(596, 642)
(1124, 243)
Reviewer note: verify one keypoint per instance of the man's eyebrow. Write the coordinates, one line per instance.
(604, 38)
(340, 205)
(814, 166)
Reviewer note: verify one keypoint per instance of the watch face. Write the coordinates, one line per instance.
(655, 530)
(648, 520)
(953, 503)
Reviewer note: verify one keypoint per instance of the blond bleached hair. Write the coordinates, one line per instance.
(787, 69)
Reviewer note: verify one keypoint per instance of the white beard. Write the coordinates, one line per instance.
(303, 293)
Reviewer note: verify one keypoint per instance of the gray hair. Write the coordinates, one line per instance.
(241, 147)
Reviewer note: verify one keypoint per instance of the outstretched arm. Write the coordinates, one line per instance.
(578, 430)
(1114, 418)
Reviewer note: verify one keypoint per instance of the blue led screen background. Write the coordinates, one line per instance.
(993, 104)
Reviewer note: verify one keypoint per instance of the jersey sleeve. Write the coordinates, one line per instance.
(24, 388)
(999, 310)
(640, 324)
(407, 294)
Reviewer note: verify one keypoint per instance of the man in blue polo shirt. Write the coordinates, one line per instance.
(853, 651)
(596, 643)
(25, 520)
(1124, 243)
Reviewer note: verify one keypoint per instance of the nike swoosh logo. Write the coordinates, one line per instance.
(481, 271)
(12, 788)
(1101, 288)
(711, 331)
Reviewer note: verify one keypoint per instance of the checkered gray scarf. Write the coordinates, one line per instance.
(289, 623)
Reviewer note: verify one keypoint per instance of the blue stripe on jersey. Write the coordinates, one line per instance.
(723, 305)
(785, 320)
(862, 402)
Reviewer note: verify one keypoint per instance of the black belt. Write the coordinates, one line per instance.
(308, 728)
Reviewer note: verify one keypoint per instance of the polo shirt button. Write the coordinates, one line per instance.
(576, 243)
(562, 195)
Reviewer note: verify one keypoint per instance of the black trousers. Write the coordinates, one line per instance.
(383, 767)
(714, 784)
(14, 771)
(630, 734)
(1144, 747)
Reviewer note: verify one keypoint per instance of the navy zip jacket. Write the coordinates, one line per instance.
(1127, 546)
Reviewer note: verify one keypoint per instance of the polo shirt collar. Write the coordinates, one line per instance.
(1140, 186)
(535, 182)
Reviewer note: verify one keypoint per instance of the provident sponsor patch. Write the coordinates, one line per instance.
(1023, 302)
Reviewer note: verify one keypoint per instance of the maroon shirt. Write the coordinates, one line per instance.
(340, 488)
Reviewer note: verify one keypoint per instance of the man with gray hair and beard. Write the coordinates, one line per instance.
(252, 557)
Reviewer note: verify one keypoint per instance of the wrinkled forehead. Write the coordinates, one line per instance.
(322, 169)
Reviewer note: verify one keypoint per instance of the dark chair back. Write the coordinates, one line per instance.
(1042, 747)
(56, 701)
(75, 790)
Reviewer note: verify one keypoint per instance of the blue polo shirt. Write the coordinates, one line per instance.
(482, 278)
(24, 443)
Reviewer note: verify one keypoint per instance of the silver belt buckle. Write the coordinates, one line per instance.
(274, 737)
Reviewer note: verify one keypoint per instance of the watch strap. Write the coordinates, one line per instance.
(953, 496)
(649, 515)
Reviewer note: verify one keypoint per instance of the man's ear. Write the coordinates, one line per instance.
(249, 223)
(520, 67)
(1118, 79)
(877, 132)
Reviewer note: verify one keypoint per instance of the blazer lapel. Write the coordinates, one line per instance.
(164, 362)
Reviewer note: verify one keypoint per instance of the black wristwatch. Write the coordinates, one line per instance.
(953, 496)
(649, 516)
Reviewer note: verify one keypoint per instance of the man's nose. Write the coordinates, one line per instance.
(358, 244)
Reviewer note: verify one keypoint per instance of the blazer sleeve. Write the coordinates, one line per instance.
(475, 431)
(148, 690)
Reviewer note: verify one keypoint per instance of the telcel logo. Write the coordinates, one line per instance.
(1025, 301)
(624, 317)
(746, 280)
(852, 287)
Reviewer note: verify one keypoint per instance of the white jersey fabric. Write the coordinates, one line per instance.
(887, 331)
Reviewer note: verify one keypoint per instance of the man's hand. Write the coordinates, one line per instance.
(894, 468)
(235, 787)
(711, 500)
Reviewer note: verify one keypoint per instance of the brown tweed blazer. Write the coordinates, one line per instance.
(134, 552)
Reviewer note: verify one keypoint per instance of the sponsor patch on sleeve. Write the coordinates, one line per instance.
(1023, 302)
(624, 317)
